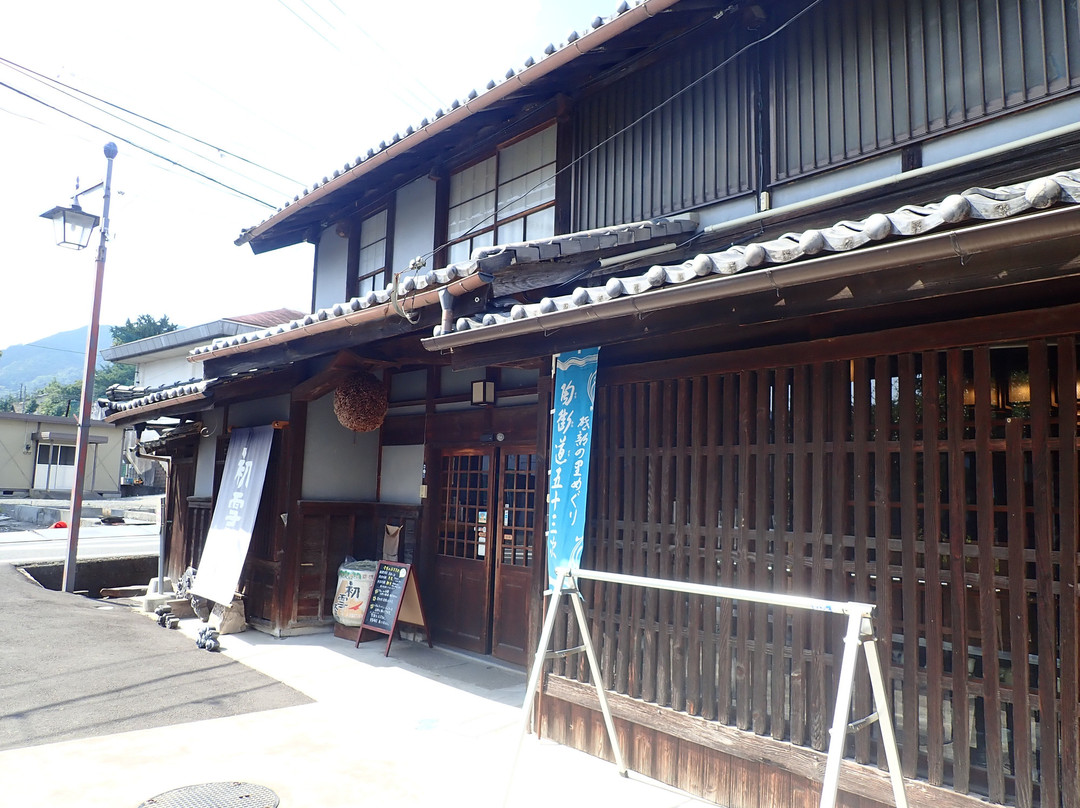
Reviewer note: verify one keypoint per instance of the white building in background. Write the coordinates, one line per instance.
(161, 362)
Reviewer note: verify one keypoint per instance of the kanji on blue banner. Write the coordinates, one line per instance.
(568, 472)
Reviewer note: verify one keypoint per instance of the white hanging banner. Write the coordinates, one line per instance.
(235, 510)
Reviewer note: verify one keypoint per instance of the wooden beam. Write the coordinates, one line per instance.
(864, 781)
(343, 365)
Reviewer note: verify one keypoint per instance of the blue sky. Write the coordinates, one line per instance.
(298, 88)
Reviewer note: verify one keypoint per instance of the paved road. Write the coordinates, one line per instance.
(50, 544)
(72, 668)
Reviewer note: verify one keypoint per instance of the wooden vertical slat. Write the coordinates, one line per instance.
(818, 690)
(652, 499)
(745, 781)
(1069, 650)
(909, 583)
(775, 790)
(883, 527)
(616, 658)
(743, 672)
(861, 529)
(931, 488)
(727, 535)
(837, 587)
(800, 568)
(639, 630)
(665, 535)
(603, 549)
(961, 735)
(683, 495)
(988, 613)
(665, 758)
(759, 709)
(713, 480)
(696, 487)
(717, 778)
(690, 767)
(1018, 617)
(1046, 605)
(781, 554)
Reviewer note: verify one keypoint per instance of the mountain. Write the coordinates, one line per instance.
(61, 356)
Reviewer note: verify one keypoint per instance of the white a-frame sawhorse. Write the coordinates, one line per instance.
(860, 633)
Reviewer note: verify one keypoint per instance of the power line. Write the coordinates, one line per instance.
(425, 105)
(140, 148)
(54, 84)
(493, 216)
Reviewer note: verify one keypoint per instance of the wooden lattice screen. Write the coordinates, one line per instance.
(940, 486)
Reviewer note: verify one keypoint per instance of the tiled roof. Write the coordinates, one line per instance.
(265, 319)
(514, 74)
(910, 220)
(121, 398)
(486, 262)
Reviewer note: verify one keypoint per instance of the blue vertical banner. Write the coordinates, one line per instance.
(568, 466)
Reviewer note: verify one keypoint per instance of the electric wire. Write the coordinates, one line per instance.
(49, 82)
(493, 216)
(164, 126)
(131, 143)
(424, 104)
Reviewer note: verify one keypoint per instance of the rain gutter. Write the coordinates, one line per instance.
(590, 41)
(962, 244)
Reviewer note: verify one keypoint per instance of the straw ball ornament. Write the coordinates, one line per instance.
(360, 402)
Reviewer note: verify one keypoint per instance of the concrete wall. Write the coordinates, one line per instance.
(18, 453)
(331, 265)
(167, 371)
(401, 474)
(339, 464)
(414, 222)
(204, 461)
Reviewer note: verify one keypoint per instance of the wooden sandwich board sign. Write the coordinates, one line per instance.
(395, 596)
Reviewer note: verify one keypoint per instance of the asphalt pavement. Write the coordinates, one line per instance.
(102, 708)
(72, 667)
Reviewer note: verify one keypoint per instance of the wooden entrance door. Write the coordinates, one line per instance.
(512, 535)
(463, 565)
(483, 561)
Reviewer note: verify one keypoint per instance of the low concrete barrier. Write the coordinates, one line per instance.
(94, 574)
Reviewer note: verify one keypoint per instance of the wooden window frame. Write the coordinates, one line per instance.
(354, 279)
(493, 221)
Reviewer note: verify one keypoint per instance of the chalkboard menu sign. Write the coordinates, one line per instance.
(395, 596)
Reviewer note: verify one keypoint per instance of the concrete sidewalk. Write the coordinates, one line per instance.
(422, 727)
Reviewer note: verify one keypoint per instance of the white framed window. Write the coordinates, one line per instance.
(371, 275)
(508, 197)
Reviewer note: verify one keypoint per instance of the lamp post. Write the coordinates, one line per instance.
(73, 227)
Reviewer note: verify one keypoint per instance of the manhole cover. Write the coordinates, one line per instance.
(215, 795)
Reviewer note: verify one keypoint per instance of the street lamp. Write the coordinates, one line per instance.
(73, 227)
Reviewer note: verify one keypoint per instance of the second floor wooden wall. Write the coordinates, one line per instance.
(712, 116)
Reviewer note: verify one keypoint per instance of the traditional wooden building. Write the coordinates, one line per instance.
(829, 253)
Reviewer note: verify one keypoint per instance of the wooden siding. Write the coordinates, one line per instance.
(859, 77)
(940, 485)
(846, 80)
(695, 149)
(329, 532)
